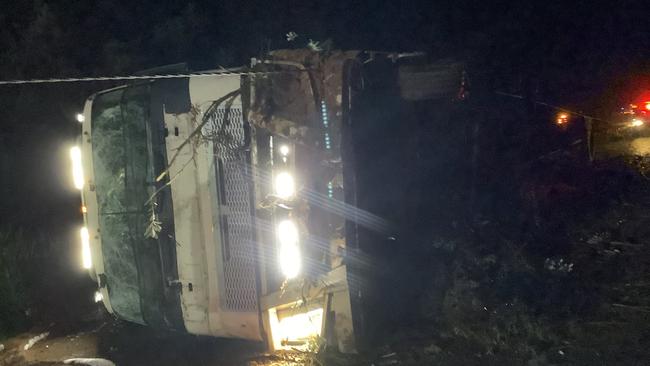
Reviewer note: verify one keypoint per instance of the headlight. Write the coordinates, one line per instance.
(85, 248)
(284, 150)
(289, 250)
(285, 186)
(77, 169)
(636, 123)
(98, 296)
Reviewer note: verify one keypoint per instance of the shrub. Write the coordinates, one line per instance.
(15, 254)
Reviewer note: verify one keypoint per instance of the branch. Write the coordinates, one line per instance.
(642, 309)
(625, 244)
(167, 184)
(196, 131)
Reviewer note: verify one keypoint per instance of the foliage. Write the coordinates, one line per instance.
(541, 296)
(16, 251)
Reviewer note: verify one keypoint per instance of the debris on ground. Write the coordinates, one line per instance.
(35, 340)
(89, 362)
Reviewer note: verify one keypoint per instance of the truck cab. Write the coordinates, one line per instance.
(224, 203)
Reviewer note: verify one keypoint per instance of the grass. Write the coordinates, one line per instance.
(15, 253)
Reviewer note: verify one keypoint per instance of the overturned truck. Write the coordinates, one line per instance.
(224, 203)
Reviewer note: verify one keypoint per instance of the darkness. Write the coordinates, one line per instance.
(584, 56)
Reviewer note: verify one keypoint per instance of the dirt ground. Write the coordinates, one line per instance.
(128, 344)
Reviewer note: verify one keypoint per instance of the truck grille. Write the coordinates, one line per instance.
(228, 133)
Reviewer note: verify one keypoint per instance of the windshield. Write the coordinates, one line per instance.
(122, 169)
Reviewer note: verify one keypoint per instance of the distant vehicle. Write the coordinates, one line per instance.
(224, 204)
(636, 115)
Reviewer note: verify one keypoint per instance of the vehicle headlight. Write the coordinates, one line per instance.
(289, 250)
(85, 248)
(636, 123)
(284, 150)
(285, 186)
(77, 169)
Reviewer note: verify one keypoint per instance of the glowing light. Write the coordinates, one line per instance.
(77, 169)
(284, 150)
(271, 147)
(85, 248)
(647, 106)
(84, 209)
(562, 118)
(289, 251)
(295, 328)
(285, 187)
(98, 296)
(80, 118)
(636, 123)
(323, 109)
